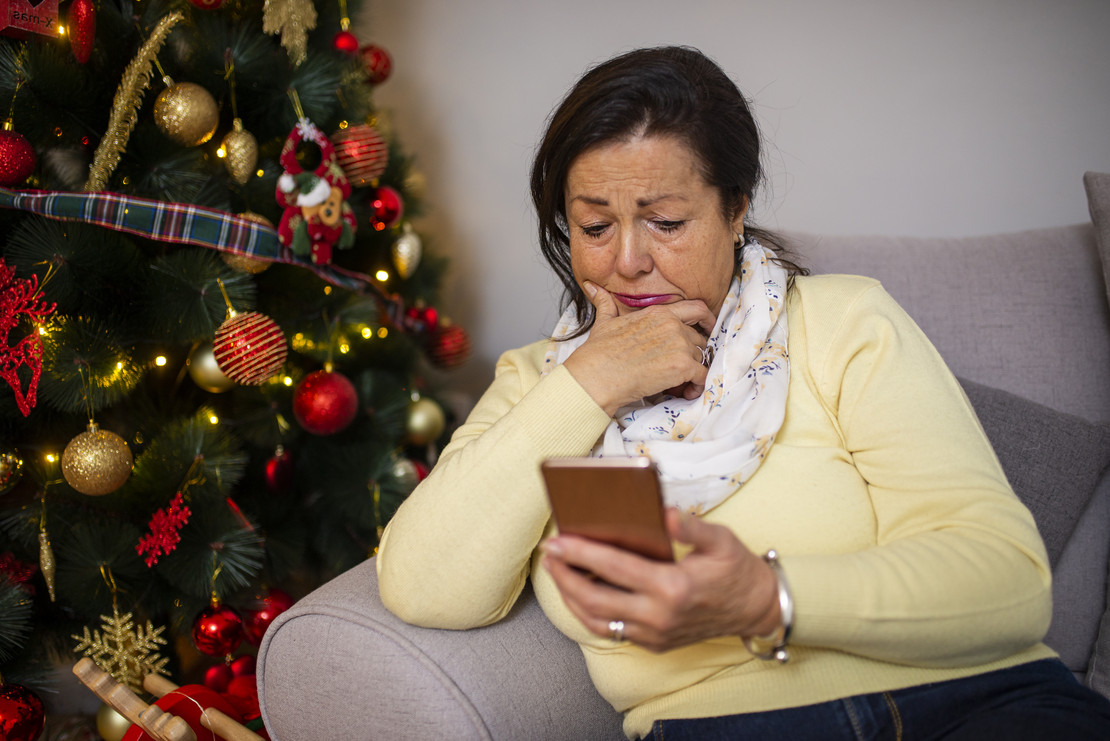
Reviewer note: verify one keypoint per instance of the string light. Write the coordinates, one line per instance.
(382, 275)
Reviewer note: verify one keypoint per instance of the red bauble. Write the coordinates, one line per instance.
(421, 470)
(378, 63)
(243, 666)
(22, 715)
(387, 208)
(17, 156)
(257, 619)
(217, 677)
(81, 18)
(362, 153)
(325, 402)
(242, 692)
(345, 43)
(217, 630)
(249, 348)
(279, 471)
(449, 347)
(207, 4)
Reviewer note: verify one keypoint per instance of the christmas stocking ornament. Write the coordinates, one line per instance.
(316, 214)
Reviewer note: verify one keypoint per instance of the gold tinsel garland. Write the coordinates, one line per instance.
(293, 19)
(125, 107)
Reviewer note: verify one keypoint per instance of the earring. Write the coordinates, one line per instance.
(739, 240)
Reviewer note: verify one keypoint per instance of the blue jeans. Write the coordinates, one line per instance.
(1037, 701)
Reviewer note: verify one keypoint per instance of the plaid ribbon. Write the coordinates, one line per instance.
(178, 223)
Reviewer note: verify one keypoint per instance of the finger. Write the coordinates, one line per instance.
(692, 391)
(695, 314)
(691, 530)
(604, 305)
(591, 600)
(626, 575)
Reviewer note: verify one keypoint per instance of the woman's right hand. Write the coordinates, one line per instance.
(632, 356)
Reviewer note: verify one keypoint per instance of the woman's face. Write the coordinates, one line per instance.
(645, 226)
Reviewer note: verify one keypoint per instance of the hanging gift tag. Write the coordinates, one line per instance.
(20, 17)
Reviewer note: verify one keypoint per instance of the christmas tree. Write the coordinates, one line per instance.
(218, 323)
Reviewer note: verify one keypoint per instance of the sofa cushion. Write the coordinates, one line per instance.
(1079, 588)
(1025, 312)
(1098, 673)
(1097, 185)
(1053, 460)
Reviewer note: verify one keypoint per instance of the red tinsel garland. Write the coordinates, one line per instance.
(18, 572)
(20, 296)
(165, 527)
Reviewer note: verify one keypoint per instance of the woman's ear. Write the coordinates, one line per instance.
(738, 218)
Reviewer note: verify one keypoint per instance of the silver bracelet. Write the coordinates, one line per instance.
(773, 647)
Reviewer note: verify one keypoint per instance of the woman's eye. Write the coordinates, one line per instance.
(593, 230)
(669, 226)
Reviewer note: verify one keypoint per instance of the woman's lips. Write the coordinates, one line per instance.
(640, 300)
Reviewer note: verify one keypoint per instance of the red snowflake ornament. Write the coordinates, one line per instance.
(165, 531)
(20, 296)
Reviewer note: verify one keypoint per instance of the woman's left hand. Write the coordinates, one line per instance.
(719, 588)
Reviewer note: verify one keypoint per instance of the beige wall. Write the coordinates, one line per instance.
(946, 117)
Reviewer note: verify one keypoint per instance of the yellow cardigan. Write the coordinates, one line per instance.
(909, 557)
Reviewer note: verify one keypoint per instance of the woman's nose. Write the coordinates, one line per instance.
(633, 253)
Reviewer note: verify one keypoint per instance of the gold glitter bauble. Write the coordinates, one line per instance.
(240, 152)
(424, 422)
(407, 251)
(110, 724)
(205, 372)
(96, 462)
(186, 113)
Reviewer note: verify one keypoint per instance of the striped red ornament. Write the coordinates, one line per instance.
(249, 348)
(362, 153)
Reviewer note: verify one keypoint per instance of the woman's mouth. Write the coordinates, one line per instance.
(639, 300)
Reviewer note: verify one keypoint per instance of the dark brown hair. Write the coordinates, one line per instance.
(663, 91)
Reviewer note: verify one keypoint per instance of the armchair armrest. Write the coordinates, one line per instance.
(339, 665)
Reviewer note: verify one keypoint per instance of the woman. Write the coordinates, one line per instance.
(902, 578)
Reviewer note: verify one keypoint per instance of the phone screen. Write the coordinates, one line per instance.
(614, 500)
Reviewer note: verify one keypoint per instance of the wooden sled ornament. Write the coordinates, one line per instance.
(180, 714)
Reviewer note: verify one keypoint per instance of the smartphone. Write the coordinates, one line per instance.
(614, 500)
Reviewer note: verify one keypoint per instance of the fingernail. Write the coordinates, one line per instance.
(589, 288)
(552, 548)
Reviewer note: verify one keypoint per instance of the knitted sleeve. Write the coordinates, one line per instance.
(456, 553)
(959, 575)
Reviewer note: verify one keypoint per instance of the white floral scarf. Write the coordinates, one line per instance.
(706, 448)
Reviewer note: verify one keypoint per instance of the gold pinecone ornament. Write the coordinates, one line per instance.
(240, 152)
